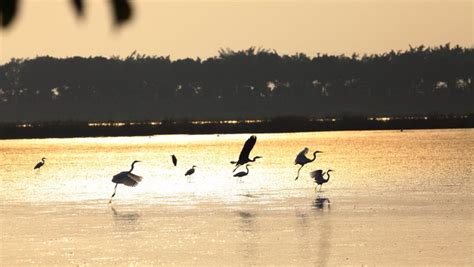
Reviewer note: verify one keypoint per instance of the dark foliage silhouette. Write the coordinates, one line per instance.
(247, 84)
(121, 9)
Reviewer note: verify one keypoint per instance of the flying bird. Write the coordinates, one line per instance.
(190, 171)
(301, 159)
(39, 164)
(126, 178)
(174, 159)
(243, 173)
(318, 176)
(245, 153)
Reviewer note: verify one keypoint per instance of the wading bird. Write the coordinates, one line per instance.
(126, 178)
(190, 171)
(301, 159)
(174, 159)
(318, 176)
(39, 164)
(242, 173)
(245, 153)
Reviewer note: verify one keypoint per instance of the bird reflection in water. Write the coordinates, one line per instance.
(319, 203)
(125, 217)
(248, 240)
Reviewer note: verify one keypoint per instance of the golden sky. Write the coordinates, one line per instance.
(196, 28)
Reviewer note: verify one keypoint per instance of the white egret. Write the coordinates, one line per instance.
(302, 160)
(127, 178)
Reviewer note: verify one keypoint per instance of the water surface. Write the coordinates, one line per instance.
(395, 197)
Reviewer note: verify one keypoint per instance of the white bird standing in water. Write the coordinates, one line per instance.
(126, 178)
(318, 176)
(39, 164)
(301, 159)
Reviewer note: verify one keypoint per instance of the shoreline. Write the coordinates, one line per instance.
(276, 125)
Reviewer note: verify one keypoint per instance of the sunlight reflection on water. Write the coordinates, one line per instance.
(81, 168)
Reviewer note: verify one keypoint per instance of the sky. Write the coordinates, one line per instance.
(195, 28)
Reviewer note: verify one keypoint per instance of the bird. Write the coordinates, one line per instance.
(190, 171)
(244, 154)
(127, 178)
(243, 173)
(174, 159)
(301, 159)
(39, 164)
(318, 176)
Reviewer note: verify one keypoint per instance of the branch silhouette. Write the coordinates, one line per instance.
(121, 9)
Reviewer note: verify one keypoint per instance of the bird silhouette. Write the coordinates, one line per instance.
(243, 173)
(245, 153)
(318, 176)
(190, 171)
(302, 160)
(174, 159)
(127, 178)
(39, 164)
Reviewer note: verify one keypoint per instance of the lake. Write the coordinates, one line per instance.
(395, 197)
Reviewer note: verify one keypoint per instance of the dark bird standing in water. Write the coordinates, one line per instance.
(126, 178)
(245, 153)
(190, 171)
(174, 159)
(318, 176)
(242, 173)
(39, 164)
(301, 159)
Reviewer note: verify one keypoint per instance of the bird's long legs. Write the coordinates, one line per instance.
(115, 190)
(236, 168)
(298, 175)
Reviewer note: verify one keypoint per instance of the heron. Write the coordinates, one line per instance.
(318, 176)
(244, 154)
(301, 159)
(242, 173)
(127, 178)
(190, 171)
(174, 159)
(39, 164)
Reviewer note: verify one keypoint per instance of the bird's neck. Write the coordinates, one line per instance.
(314, 157)
(247, 168)
(328, 177)
(131, 169)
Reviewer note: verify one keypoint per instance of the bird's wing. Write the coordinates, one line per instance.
(301, 156)
(126, 178)
(249, 144)
(317, 174)
(135, 177)
(303, 152)
(39, 164)
(189, 172)
(239, 174)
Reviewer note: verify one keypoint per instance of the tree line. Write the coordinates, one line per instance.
(246, 84)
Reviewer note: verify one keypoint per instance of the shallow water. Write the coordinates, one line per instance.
(395, 197)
